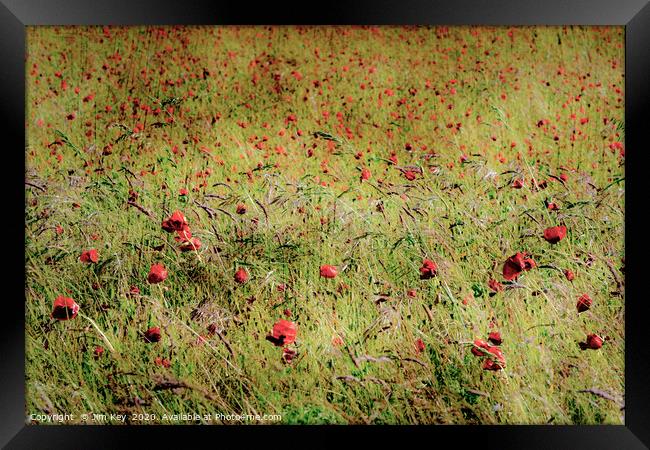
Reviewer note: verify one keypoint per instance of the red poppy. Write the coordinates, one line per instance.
(287, 313)
(495, 285)
(164, 362)
(175, 222)
(99, 351)
(564, 177)
(555, 234)
(569, 275)
(495, 338)
(184, 234)
(89, 256)
(327, 271)
(412, 293)
(288, 355)
(284, 332)
(157, 274)
(490, 364)
(594, 342)
(420, 346)
(241, 276)
(428, 269)
(553, 206)
(365, 174)
(241, 208)
(152, 335)
(189, 245)
(584, 303)
(518, 183)
(409, 175)
(497, 355)
(183, 192)
(478, 345)
(64, 308)
(516, 264)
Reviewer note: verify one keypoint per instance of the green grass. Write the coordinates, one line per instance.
(304, 211)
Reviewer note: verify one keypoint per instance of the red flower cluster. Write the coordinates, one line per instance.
(64, 308)
(516, 264)
(428, 269)
(495, 359)
(178, 223)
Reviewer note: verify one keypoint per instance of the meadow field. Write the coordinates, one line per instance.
(325, 225)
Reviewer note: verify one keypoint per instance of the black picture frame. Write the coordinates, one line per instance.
(16, 14)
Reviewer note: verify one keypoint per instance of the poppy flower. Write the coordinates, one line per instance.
(569, 275)
(516, 264)
(184, 234)
(99, 351)
(555, 234)
(163, 362)
(428, 269)
(284, 332)
(152, 335)
(498, 355)
(190, 245)
(490, 364)
(553, 206)
(327, 271)
(584, 303)
(175, 222)
(241, 276)
(241, 208)
(133, 290)
(288, 355)
(183, 192)
(64, 308)
(419, 346)
(157, 274)
(594, 342)
(365, 174)
(412, 293)
(518, 183)
(409, 175)
(495, 338)
(89, 256)
(495, 285)
(478, 345)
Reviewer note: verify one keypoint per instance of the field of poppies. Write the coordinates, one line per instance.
(325, 225)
